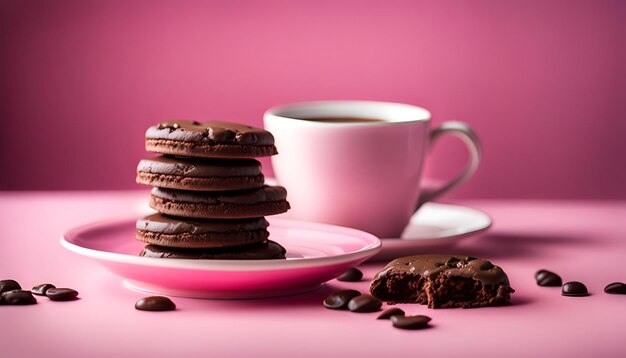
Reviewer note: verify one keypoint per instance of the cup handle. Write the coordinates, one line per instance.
(469, 137)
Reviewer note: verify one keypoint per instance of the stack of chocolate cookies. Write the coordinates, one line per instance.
(209, 192)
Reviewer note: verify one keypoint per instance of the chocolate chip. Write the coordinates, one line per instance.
(61, 294)
(452, 261)
(196, 123)
(339, 300)
(247, 138)
(470, 258)
(170, 126)
(387, 314)
(486, 265)
(9, 285)
(617, 288)
(410, 322)
(18, 297)
(221, 134)
(439, 264)
(352, 275)
(364, 303)
(547, 278)
(155, 303)
(42, 289)
(574, 288)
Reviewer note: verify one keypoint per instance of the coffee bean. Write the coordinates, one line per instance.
(352, 275)
(547, 278)
(574, 288)
(410, 322)
(539, 273)
(550, 280)
(41, 289)
(9, 285)
(364, 303)
(617, 288)
(542, 273)
(61, 294)
(387, 314)
(18, 297)
(339, 300)
(155, 303)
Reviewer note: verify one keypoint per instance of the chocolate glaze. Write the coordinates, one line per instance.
(174, 225)
(263, 251)
(461, 266)
(264, 194)
(216, 132)
(200, 168)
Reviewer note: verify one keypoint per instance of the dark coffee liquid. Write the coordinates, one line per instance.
(342, 120)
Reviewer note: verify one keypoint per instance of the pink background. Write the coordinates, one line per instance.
(542, 82)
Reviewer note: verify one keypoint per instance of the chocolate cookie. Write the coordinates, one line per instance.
(163, 230)
(209, 139)
(200, 174)
(254, 203)
(266, 250)
(442, 281)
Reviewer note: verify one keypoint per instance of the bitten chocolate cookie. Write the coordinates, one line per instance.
(209, 139)
(162, 230)
(442, 281)
(200, 174)
(266, 250)
(254, 203)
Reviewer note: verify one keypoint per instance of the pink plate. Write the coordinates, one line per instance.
(316, 253)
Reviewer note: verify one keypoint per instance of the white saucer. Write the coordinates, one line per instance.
(435, 226)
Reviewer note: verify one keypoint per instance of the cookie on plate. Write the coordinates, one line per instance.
(163, 230)
(264, 201)
(442, 281)
(200, 174)
(209, 139)
(267, 250)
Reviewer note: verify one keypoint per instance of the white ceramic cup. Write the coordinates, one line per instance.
(364, 175)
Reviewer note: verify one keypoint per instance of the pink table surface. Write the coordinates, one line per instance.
(584, 241)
